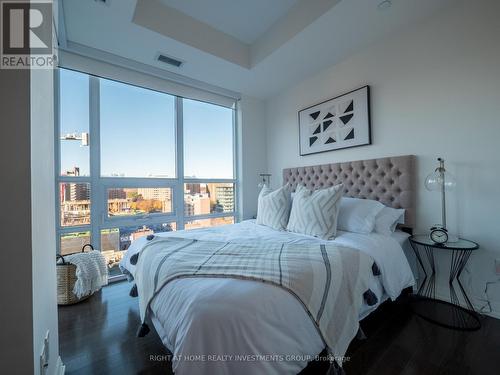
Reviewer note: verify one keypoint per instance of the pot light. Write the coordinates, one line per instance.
(384, 5)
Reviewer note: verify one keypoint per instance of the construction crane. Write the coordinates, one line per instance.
(84, 137)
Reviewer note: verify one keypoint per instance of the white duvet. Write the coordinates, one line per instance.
(230, 326)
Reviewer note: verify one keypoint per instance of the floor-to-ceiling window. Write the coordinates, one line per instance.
(133, 161)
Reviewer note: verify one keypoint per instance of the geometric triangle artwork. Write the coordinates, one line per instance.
(318, 130)
(315, 115)
(345, 119)
(328, 116)
(350, 135)
(327, 124)
(312, 140)
(350, 107)
(329, 140)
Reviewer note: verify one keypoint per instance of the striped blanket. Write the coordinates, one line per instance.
(328, 280)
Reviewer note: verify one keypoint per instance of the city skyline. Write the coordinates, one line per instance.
(199, 199)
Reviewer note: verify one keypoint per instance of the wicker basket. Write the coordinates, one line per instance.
(66, 278)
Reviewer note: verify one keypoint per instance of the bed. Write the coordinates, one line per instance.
(229, 325)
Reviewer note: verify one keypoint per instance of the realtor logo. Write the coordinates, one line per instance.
(27, 35)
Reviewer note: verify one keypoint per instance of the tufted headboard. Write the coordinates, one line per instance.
(389, 180)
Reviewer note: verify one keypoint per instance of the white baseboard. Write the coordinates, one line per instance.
(60, 368)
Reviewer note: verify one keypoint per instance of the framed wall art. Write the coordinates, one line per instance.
(338, 123)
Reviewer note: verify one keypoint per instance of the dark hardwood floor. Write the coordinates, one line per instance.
(400, 342)
(98, 336)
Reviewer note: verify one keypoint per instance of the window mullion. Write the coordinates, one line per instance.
(236, 166)
(144, 182)
(74, 229)
(209, 180)
(57, 156)
(132, 222)
(96, 196)
(179, 190)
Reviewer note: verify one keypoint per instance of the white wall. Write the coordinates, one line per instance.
(43, 233)
(252, 152)
(43, 217)
(435, 92)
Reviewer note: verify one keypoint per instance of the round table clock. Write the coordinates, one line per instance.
(439, 235)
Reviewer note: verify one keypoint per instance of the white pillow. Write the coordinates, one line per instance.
(387, 219)
(315, 212)
(358, 215)
(273, 208)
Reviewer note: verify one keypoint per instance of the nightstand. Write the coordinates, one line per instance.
(452, 314)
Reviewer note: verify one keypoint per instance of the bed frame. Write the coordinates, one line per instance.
(389, 180)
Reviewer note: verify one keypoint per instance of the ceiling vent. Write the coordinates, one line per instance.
(169, 60)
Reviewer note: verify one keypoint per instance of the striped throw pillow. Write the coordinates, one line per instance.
(315, 212)
(274, 207)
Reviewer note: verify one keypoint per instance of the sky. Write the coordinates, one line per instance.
(138, 131)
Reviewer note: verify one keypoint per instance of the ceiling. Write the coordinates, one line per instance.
(257, 47)
(235, 17)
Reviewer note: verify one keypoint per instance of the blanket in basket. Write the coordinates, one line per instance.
(91, 272)
(329, 280)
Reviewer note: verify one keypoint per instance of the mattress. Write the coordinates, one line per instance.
(228, 326)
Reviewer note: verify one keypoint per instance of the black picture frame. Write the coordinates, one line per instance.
(369, 121)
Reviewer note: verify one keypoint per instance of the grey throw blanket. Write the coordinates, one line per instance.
(91, 272)
(328, 280)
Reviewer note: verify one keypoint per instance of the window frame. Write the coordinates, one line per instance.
(99, 185)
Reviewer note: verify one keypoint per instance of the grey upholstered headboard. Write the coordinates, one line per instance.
(389, 180)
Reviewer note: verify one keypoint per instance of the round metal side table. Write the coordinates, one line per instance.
(453, 315)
